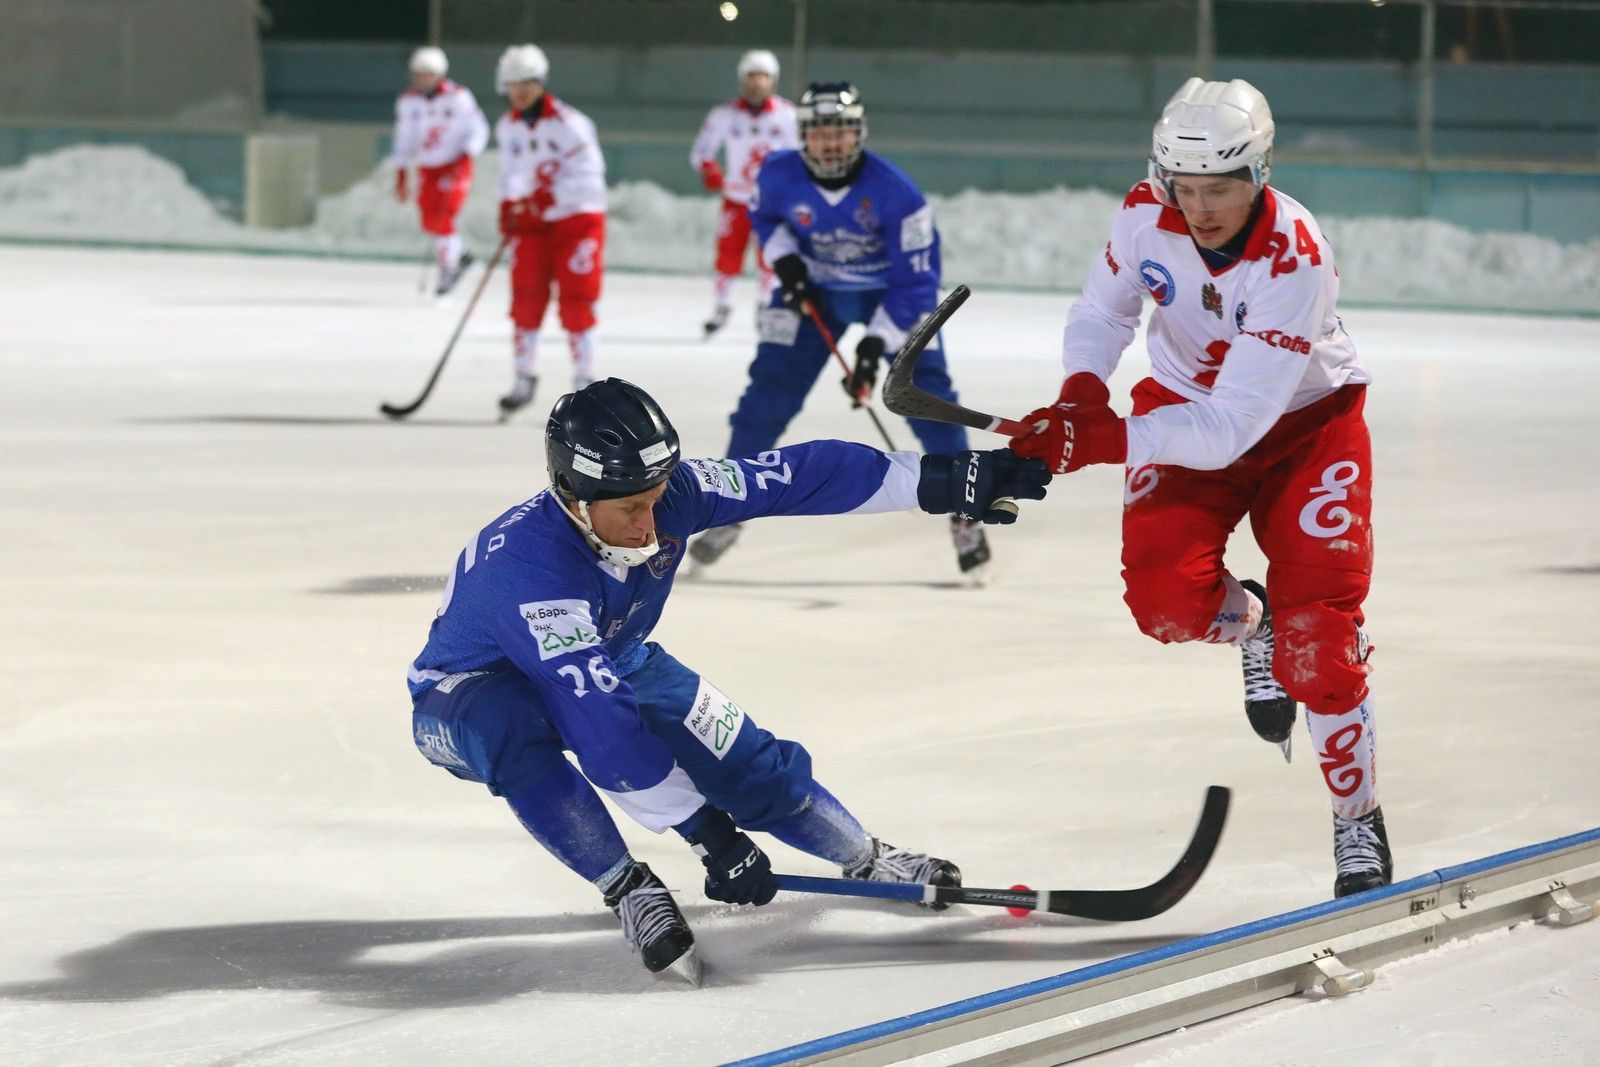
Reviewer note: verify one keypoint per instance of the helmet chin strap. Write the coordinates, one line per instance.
(616, 555)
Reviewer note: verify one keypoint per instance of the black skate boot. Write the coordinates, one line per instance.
(1269, 707)
(521, 396)
(653, 924)
(448, 277)
(1361, 858)
(709, 546)
(885, 863)
(718, 319)
(972, 548)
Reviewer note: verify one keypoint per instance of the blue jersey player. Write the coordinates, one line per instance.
(852, 239)
(540, 647)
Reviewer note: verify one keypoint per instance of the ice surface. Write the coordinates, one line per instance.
(220, 846)
(1040, 240)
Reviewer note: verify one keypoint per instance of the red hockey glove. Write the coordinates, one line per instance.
(1069, 437)
(1084, 390)
(401, 190)
(518, 218)
(711, 176)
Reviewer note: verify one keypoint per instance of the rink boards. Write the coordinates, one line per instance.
(1330, 948)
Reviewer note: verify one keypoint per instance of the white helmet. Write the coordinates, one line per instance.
(758, 61)
(429, 60)
(519, 63)
(1212, 128)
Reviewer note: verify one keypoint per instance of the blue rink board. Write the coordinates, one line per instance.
(944, 1013)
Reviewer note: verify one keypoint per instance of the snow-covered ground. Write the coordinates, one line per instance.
(220, 846)
(1034, 241)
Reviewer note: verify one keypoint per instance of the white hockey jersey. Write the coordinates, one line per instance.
(431, 130)
(1246, 344)
(551, 154)
(746, 136)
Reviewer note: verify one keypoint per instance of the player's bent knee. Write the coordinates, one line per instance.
(1167, 606)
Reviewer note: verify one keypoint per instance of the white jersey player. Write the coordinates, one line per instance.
(552, 213)
(1253, 407)
(744, 131)
(439, 129)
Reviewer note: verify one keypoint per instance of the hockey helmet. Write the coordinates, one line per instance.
(831, 104)
(758, 61)
(429, 60)
(609, 440)
(1215, 128)
(518, 63)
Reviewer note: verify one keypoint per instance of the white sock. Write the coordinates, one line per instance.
(1346, 750)
(1238, 617)
(526, 351)
(582, 346)
(447, 250)
(722, 287)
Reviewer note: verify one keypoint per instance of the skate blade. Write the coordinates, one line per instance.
(686, 967)
(979, 577)
(1283, 746)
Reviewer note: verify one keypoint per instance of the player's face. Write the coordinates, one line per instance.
(757, 86)
(522, 94)
(425, 81)
(1215, 208)
(627, 522)
(831, 145)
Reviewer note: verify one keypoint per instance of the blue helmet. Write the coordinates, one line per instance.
(609, 440)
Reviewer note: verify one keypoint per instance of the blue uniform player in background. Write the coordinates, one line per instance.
(850, 235)
(539, 647)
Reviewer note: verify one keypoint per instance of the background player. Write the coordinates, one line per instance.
(1253, 407)
(439, 127)
(745, 131)
(539, 646)
(553, 211)
(849, 234)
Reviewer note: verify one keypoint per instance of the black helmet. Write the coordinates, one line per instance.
(831, 104)
(609, 440)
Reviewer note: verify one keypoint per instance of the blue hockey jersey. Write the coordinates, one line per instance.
(529, 593)
(877, 233)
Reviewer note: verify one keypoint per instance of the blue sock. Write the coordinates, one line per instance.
(565, 815)
(824, 827)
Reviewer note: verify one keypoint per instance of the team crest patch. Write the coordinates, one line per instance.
(1158, 280)
(1238, 316)
(665, 556)
(864, 216)
(1211, 300)
(801, 213)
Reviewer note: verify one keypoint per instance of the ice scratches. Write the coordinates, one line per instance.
(386, 584)
(315, 1038)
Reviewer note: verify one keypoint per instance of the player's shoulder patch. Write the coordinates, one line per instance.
(1139, 195)
(917, 229)
(559, 626)
(723, 477)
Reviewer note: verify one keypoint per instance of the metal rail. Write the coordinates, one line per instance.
(1330, 947)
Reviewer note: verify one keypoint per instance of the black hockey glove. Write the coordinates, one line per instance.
(968, 483)
(737, 872)
(793, 280)
(869, 353)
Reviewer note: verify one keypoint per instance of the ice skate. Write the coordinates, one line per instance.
(654, 926)
(885, 863)
(718, 319)
(1269, 707)
(521, 396)
(709, 546)
(972, 549)
(449, 276)
(1361, 858)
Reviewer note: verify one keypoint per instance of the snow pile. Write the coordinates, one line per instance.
(1039, 240)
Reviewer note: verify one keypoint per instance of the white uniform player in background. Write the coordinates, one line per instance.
(745, 131)
(438, 128)
(552, 213)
